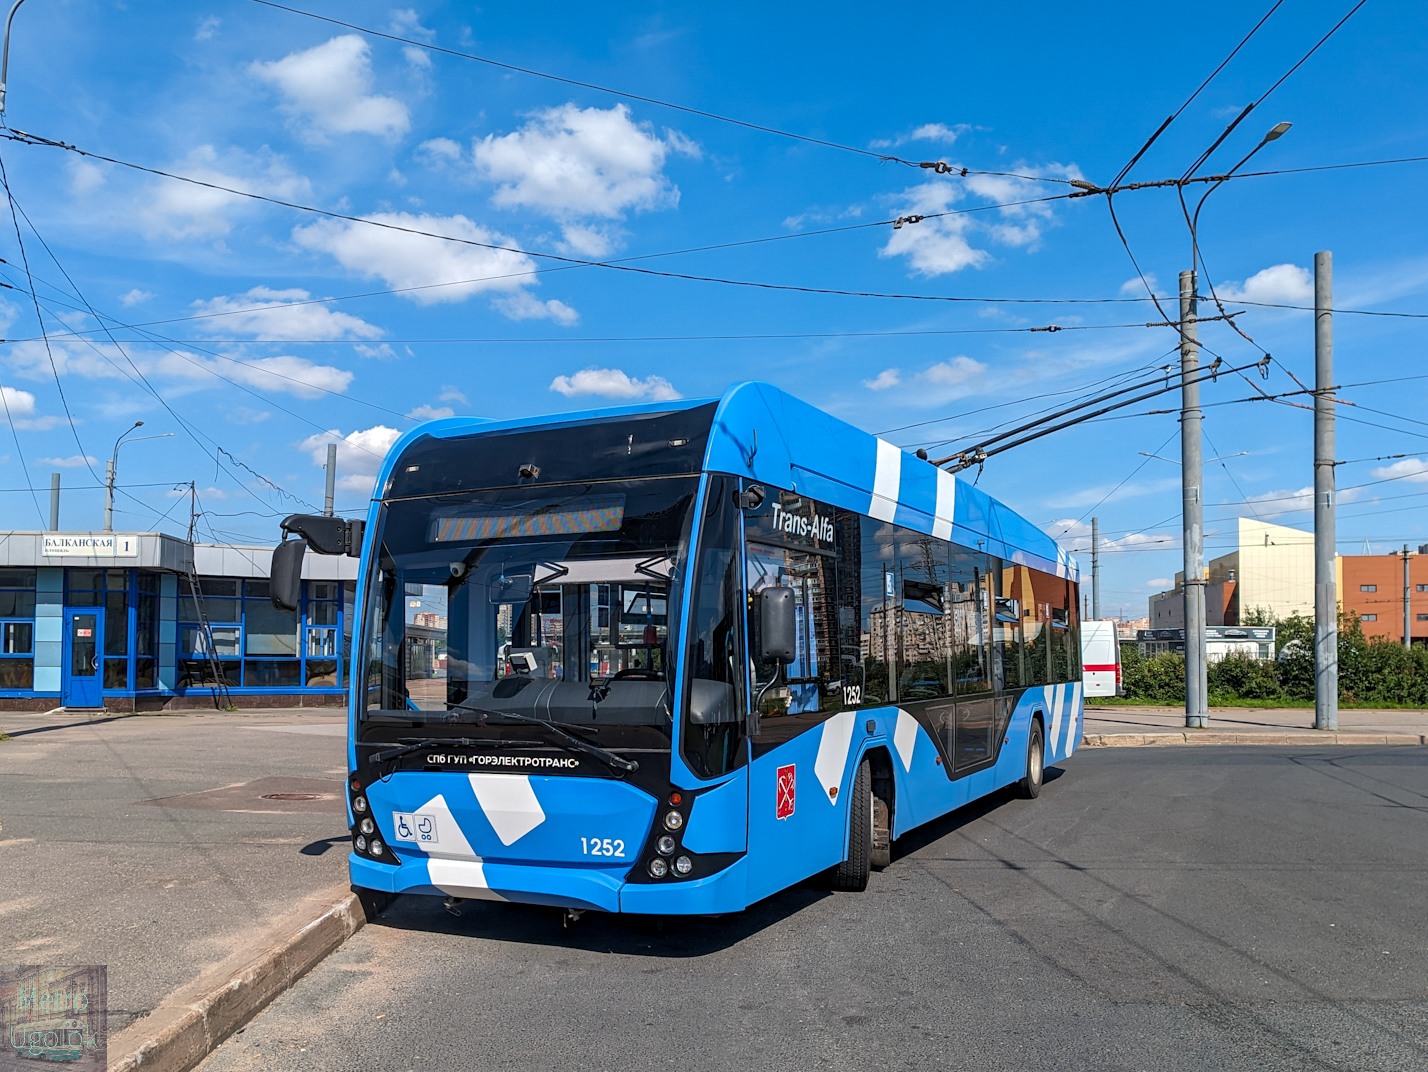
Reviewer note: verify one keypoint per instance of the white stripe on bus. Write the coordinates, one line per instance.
(887, 480)
(1051, 737)
(509, 803)
(905, 738)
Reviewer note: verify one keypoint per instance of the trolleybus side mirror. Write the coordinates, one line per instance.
(777, 627)
(285, 577)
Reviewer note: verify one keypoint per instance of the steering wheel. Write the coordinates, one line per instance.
(642, 673)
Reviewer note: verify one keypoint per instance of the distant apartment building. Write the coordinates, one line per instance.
(1387, 592)
(1271, 569)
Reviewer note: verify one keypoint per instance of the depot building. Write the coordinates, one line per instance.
(148, 622)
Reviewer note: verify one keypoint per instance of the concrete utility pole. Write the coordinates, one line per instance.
(1326, 596)
(54, 501)
(1095, 567)
(331, 478)
(1407, 603)
(1192, 509)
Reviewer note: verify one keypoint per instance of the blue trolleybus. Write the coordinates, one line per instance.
(675, 658)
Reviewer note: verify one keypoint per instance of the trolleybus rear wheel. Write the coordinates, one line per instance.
(1030, 786)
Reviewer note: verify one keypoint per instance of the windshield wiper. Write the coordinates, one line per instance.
(413, 746)
(567, 740)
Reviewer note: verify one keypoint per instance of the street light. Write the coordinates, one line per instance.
(113, 467)
(1192, 474)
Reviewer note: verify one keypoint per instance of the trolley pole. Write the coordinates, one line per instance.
(1326, 602)
(1192, 509)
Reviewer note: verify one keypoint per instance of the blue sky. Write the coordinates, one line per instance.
(256, 332)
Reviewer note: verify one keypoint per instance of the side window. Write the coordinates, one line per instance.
(714, 681)
(924, 619)
(877, 615)
(969, 590)
(811, 548)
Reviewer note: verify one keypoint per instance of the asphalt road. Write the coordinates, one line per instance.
(1163, 908)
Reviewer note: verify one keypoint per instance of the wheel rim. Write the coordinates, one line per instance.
(1036, 759)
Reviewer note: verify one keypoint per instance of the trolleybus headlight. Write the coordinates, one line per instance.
(673, 820)
(665, 845)
(658, 868)
(368, 827)
(361, 843)
(359, 804)
(376, 847)
(683, 865)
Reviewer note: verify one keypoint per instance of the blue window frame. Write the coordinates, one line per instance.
(260, 648)
(17, 629)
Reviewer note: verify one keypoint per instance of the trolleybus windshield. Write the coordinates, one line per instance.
(555, 602)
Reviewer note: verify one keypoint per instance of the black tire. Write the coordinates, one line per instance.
(880, 852)
(852, 873)
(1029, 788)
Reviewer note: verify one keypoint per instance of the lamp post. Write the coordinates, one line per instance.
(113, 467)
(1192, 473)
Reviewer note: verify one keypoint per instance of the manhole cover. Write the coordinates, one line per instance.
(292, 796)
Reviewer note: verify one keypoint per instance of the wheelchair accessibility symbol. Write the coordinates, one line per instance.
(415, 827)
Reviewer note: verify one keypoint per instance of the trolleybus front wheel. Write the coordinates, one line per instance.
(852, 873)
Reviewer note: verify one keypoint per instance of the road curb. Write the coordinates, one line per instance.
(190, 1023)
(1203, 737)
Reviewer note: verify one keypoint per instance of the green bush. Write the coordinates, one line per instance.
(1371, 672)
(1238, 677)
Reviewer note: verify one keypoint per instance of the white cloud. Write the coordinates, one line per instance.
(359, 454)
(1160, 584)
(291, 375)
(451, 394)
(405, 260)
(384, 352)
(935, 246)
(184, 370)
(209, 493)
(171, 209)
(431, 413)
(1075, 536)
(74, 461)
(1286, 284)
(135, 297)
(326, 90)
(524, 306)
(1135, 288)
(406, 22)
(586, 240)
(85, 177)
(884, 380)
(613, 383)
(956, 372)
(437, 151)
(207, 28)
(1413, 470)
(265, 313)
(19, 407)
(570, 163)
(943, 243)
(939, 132)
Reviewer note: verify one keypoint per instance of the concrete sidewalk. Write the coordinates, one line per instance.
(1132, 726)
(165, 846)
(202, 856)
